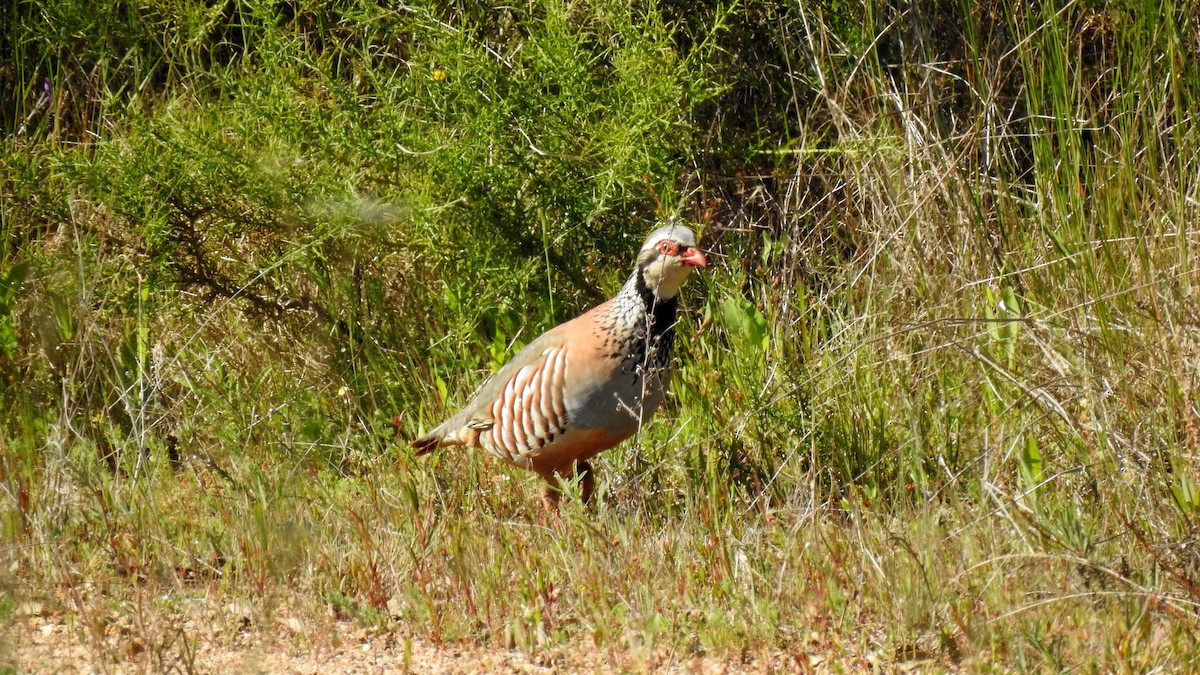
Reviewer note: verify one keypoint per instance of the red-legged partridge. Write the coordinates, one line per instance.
(585, 385)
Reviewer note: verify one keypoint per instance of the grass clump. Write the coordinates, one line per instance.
(936, 405)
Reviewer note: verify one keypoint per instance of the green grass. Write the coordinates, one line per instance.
(937, 397)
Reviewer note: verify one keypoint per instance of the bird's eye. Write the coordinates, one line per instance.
(668, 247)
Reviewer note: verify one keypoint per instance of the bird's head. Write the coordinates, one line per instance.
(667, 258)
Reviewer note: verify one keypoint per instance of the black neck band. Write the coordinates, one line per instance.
(660, 312)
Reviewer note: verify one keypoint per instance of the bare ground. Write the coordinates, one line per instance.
(218, 639)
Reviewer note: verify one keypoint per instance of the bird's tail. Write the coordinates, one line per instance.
(427, 443)
(449, 433)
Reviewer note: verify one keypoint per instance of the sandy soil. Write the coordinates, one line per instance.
(40, 642)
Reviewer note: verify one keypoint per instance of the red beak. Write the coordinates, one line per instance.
(694, 257)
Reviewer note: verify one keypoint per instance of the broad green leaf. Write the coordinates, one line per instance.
(1186, 492)
(1032, 468)
(740, 317)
